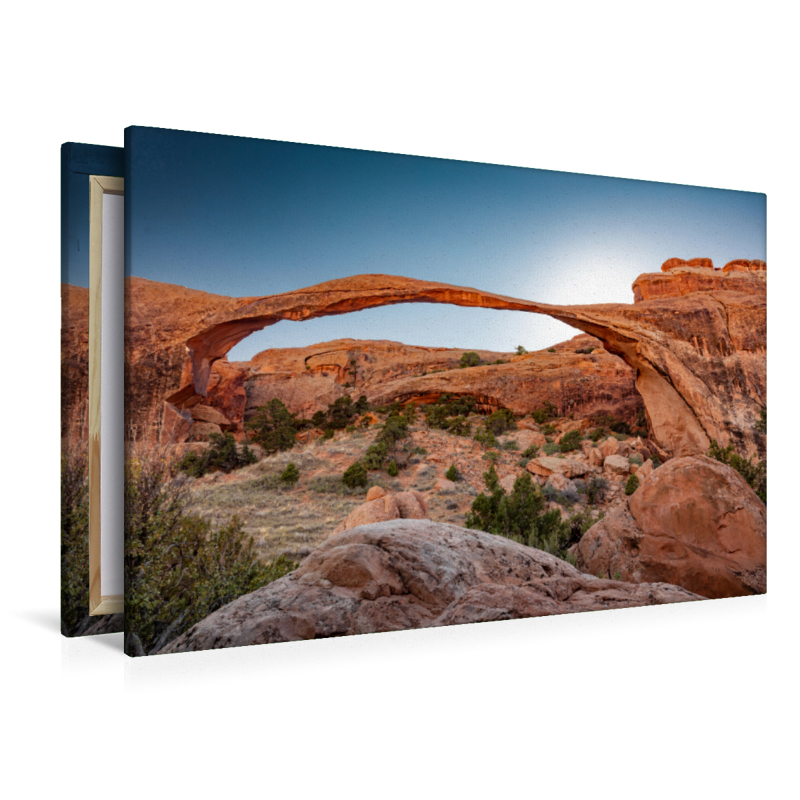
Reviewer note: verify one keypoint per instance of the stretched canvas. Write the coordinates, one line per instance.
(370, 392)
(91, 235)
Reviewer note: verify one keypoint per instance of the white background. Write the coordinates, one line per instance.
(697, 701)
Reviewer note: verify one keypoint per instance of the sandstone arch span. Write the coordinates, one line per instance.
(699, 354)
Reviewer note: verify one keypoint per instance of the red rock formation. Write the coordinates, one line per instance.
(699, 357)
(310, 378)
(412, 573)
(694, 523)
(381, 506)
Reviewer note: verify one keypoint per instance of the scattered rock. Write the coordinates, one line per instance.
(375, 492)
(694, 522)
(617, 465)
(404, 574)
(402, 505)
(546, 465)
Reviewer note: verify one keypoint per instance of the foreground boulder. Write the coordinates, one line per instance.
(694, 523)
(404, 574)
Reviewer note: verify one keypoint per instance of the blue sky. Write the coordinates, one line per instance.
(245, 217)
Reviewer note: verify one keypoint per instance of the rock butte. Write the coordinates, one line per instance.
(413, 573)
(695, 337)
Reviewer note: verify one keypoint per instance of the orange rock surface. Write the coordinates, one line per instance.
(412, 573)
(693, 522)
(696, 341)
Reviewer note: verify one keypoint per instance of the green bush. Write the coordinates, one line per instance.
(531, 452)
(375, 455)
(500, 421)
(754, 474)
(453, 474)
(178, 568)
(549, 429)
(550, 448)
(570, 441)
(632, 485)
(511, 444)
(551, 350)
(392, 469)
(328, 434)
(274, 427)
(585, 350)
(222, 454)
(355, 475)
(596, 489)
(596, 435)
(486, 438)
(761, 425)
(521, 351)
(291, 474)
(520, 516)
(470, 359)
(545, 411)
(74, 541)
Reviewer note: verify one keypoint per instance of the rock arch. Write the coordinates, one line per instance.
(699, 356)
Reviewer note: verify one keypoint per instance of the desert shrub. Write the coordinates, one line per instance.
(596, 489)
(375, 455)
(550, 448)
(656, 460)
(178, 568)
(545, 411)
(340, 413)
(328, 434)
(222, 454)
(459, 426)
(392, 469)
(520, 515)
(754, 474)
(410, 413)
(570, 441)
(470, 359)
(611, 423)
(421, 451)
(551, 350)
(273, 426)
(500, 421)
(511, 444)
(531, 452)
(549, 429)
(291, 474)
(74, 541)
(350, 429)
(761, 425)
(355, 475)
(452, 473)
(521, 351)
(486, 438)
(632, 484)
(596, 435)
(568, 497)
(636, 459)
(585, 350)
(318, 419)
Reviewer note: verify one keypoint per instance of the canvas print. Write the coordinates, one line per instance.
(370, 392)
(79, 162)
